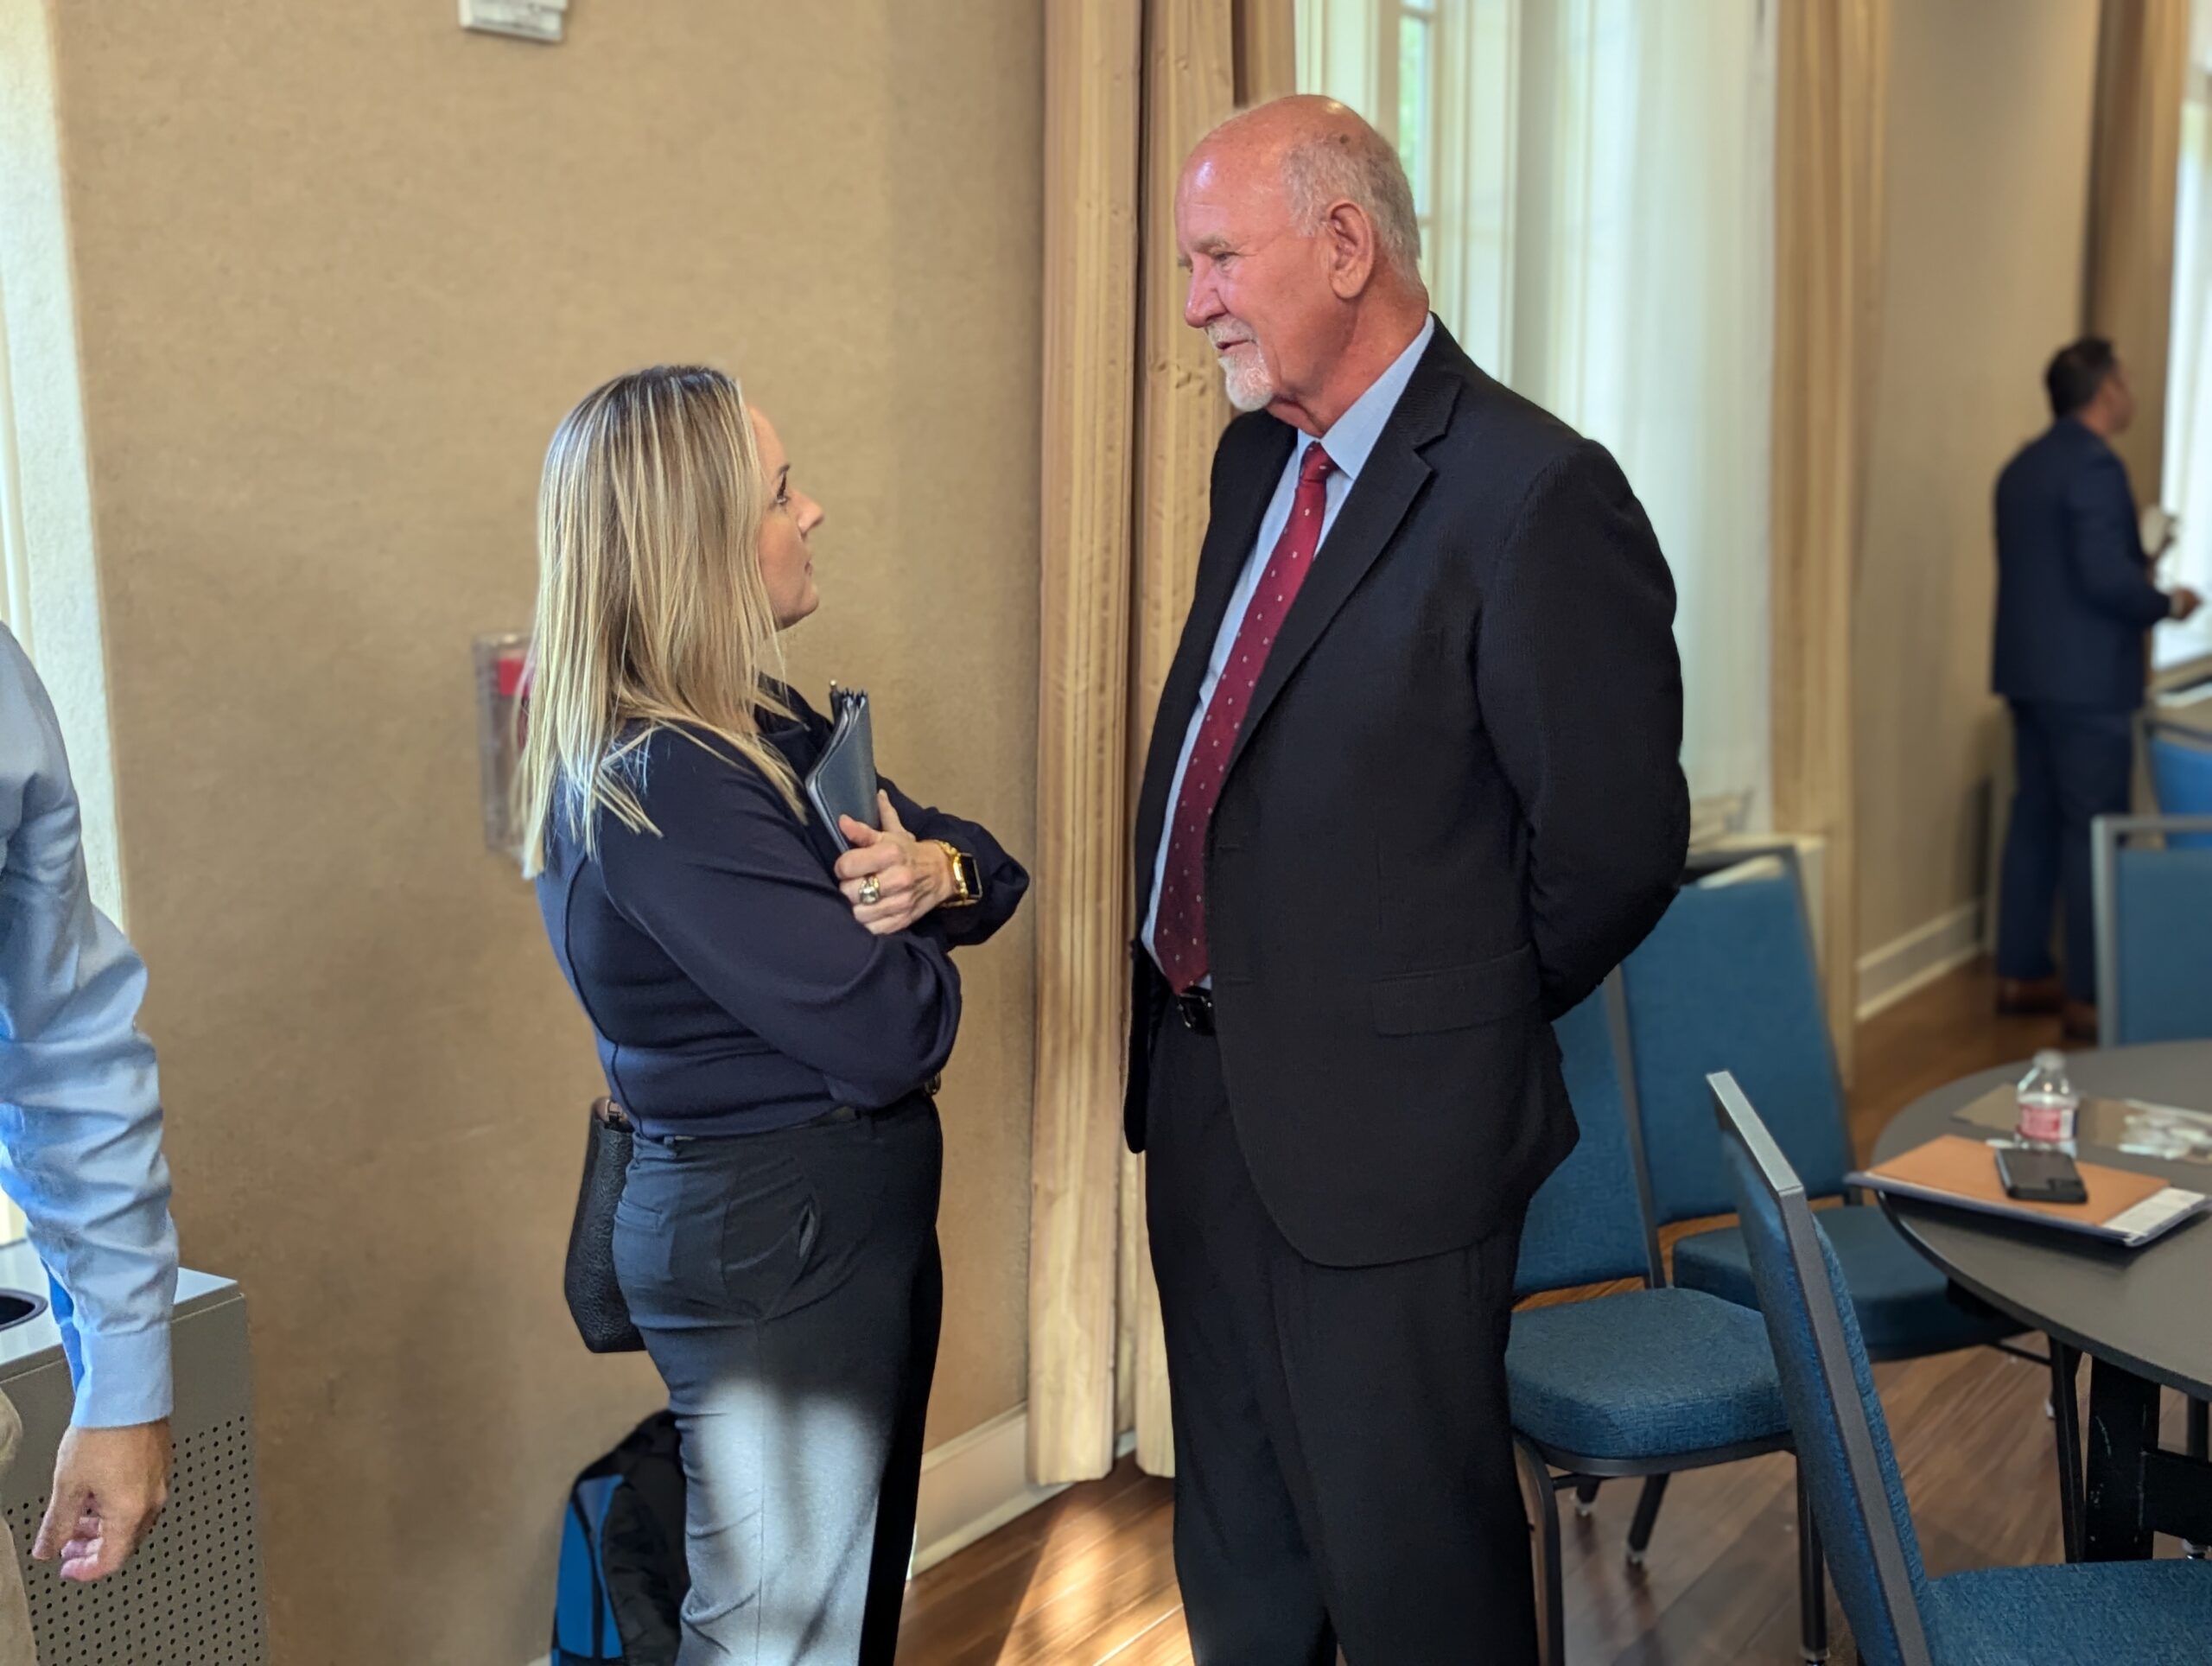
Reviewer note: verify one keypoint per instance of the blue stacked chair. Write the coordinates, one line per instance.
(2154, 928)
(1727, 981)
(2154, 941)
(2144, 1614)
(2180, 761)
(1646, 1383)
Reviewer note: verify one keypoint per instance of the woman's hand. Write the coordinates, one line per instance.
(910, 876)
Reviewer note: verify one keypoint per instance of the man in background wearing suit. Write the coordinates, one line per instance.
(1413, 790)
(2074, 596)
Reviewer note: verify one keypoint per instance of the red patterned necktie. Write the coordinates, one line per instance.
(1180, 931)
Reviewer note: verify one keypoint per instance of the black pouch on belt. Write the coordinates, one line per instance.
(596, 1301)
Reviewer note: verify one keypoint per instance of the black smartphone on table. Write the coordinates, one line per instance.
(2039, 1174)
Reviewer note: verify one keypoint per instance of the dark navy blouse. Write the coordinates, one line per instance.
(731, 987)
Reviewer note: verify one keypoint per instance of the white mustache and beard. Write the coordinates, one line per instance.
(1243, 368)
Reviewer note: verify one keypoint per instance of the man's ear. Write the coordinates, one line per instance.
(1350, 238)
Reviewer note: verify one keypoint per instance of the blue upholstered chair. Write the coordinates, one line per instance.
(1727, 981)
(2180, 761)
(2143, 1614)
(2154, 941)
(1645, 1383)
(2154, 929)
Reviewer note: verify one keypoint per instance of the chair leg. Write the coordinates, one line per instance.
(1551, 1607)
(1812, 1579)
(2066, 1427)
(2200, 1427)
(1647, 1514)
(1586, 1498)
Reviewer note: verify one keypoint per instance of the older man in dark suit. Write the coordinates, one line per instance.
(2074, 597)
(1414, 791)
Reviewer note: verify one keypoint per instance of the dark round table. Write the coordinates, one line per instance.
(2144, 1316)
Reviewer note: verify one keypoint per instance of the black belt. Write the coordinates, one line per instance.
(926, 1093)
(1196, 1009)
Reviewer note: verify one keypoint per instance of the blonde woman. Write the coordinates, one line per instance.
(772, 1015)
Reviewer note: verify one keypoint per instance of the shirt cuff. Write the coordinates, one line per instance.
(126, 1378)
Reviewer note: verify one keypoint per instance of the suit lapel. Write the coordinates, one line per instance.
(1395, 473)
(1221, 560)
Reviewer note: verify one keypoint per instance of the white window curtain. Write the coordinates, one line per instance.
(2188, 488)
(1600, 225)
(14, 556)
(49, 583)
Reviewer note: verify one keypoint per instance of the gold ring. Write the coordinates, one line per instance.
(871, 892)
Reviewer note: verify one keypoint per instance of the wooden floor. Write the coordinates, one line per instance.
(1089, 1578)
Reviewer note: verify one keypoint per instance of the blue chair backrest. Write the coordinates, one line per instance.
(2162, 945)
(2181, 781)
(1727, 981)
(1586, 1223)
(1843, 1441)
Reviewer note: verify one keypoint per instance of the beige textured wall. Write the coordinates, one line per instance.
(1987, 192)
(340, 269)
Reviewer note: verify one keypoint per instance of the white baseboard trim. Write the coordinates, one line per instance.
(976, 1483)
(1910, 963)
(973, 1486)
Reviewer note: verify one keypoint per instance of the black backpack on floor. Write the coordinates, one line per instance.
(623, 1577)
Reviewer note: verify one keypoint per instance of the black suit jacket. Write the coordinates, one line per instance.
(2073, 588)
(1455, 805)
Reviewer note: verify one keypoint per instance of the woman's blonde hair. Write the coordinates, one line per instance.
(651, 611)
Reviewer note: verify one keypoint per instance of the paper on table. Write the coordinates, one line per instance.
(2156, 1213)
(2136, 1126)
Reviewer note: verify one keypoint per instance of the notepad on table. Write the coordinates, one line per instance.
(2123, 1207)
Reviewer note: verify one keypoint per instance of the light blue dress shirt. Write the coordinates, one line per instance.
(1350, 442)
(80, 1110)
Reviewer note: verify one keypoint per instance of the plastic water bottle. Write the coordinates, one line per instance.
(2047, 1101)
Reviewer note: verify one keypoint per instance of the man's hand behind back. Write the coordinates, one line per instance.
(109, 1488)
(2183, 601)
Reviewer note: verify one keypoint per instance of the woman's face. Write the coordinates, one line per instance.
(786, 568)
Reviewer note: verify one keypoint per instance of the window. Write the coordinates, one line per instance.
(49, 586)
(45, 499)
(1415, 106)
(2188, 474)
(1594, 180)
(15, 562)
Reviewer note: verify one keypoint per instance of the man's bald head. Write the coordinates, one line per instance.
(1323, 153)
(1296, 225)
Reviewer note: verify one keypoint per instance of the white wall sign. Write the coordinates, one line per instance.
(528, 20)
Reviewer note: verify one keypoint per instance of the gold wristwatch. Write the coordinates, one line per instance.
(967, 878)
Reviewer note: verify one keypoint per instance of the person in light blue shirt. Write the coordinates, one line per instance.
(81, 1153)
